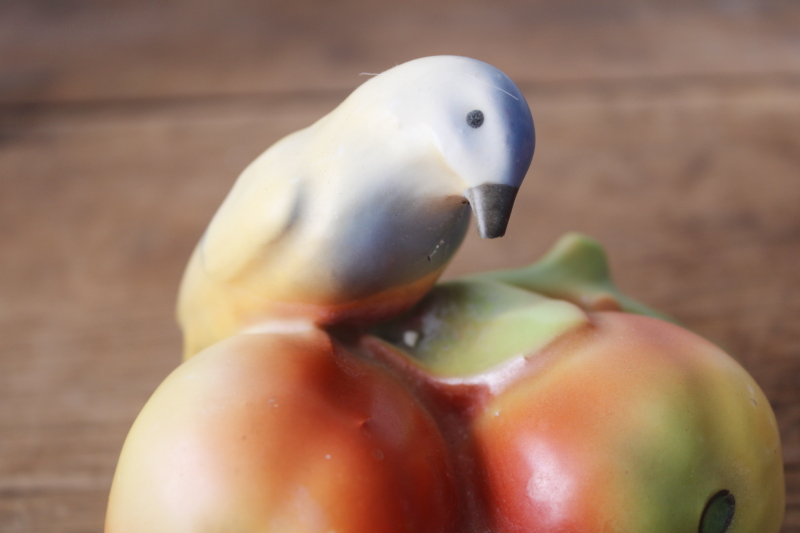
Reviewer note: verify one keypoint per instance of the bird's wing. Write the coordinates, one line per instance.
(260, 208)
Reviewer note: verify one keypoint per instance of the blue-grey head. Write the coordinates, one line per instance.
(477, 118)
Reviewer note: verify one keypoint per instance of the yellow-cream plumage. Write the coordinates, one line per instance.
(354, 218)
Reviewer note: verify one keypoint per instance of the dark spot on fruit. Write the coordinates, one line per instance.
(718, 513)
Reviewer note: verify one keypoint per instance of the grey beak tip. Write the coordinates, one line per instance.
(491, 204)
(493, 235)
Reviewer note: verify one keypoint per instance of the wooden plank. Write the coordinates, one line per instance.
(56, 51)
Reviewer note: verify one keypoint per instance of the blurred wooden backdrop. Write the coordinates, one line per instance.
(668, 130)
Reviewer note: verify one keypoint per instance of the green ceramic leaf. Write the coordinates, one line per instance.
(576, 270)
(463, 328)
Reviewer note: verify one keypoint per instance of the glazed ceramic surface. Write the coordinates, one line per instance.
(331, 386)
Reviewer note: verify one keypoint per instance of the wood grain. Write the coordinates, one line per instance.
(668, 130)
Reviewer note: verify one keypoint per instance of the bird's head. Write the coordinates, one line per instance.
(476, 118)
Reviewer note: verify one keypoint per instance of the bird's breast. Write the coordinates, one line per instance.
(411, 240)
(389, 241)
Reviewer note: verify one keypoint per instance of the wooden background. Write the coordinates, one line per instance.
(668, 130)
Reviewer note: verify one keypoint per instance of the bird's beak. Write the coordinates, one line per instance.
(491, 204)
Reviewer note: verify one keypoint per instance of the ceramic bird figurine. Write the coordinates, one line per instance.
(354, 218)
(524, 400)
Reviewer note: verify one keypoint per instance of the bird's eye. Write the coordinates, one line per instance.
(475, 118)
(718, 514)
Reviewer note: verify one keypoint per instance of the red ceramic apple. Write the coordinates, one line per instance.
(283, 433)
(486, 408)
